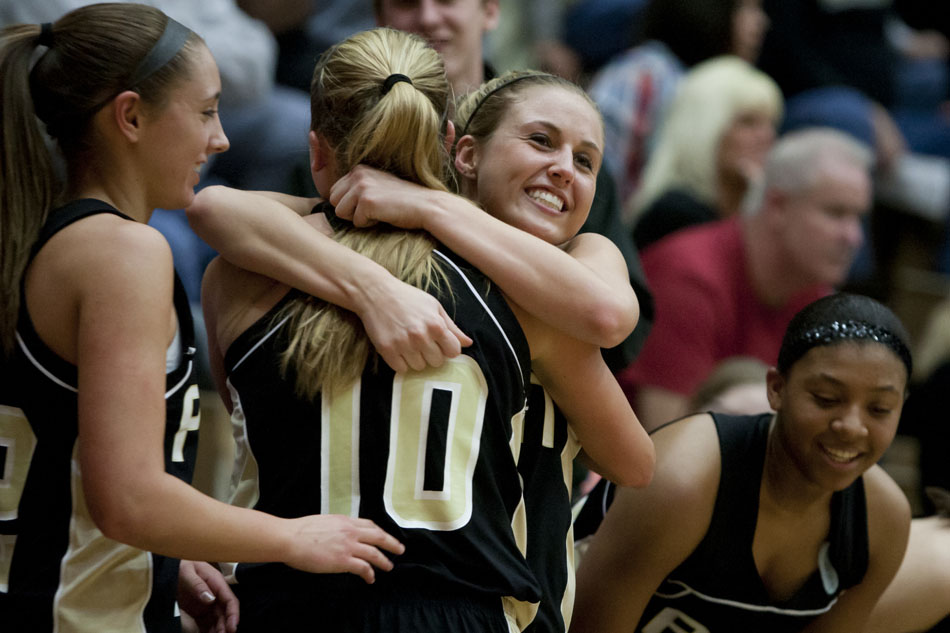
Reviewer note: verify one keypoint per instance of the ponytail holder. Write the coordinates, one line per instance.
(46, 35)
(394, 79)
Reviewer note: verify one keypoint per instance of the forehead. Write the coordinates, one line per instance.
(558, 105)
(202, 80)
(854, 362)
(382, 7)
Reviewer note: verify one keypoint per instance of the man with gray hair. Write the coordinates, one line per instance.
(729, 288)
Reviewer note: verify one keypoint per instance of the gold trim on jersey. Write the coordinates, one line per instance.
(104, 584)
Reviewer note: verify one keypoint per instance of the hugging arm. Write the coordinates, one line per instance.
(586, 293)
(266, 234)
(577, 379)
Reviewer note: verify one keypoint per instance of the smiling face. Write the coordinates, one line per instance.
(538, 169)
(838, 409)
(184, 133)
(454, 28)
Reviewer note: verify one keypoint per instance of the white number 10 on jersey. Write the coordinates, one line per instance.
(407, 498)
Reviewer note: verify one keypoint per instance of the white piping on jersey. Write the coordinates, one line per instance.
(743, 605)
(260, 342)
(181, 382)
(488, 310)
(65, 385)
(42, 369)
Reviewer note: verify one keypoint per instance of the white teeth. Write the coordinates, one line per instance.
(840, 456)
(547, 198)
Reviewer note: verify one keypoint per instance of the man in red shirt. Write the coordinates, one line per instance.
(730, 287)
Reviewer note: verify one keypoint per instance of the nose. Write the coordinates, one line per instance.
(562, 166)
(428, 13)
(854, 232)
(219, 141)
(850, 425)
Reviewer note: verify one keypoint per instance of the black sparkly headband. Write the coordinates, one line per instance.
(844, 331)
(491, 92)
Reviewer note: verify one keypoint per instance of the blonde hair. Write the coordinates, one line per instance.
(707, 101)
(397, 127)
(92, 56)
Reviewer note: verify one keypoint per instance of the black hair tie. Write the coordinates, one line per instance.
(394, 79)
(46, 35)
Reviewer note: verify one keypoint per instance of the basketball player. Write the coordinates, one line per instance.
(470, 556)
(98, 401)
(768, 522)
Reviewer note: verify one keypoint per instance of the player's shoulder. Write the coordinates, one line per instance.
(689, 461)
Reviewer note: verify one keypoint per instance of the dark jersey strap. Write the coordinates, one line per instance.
(64, 216)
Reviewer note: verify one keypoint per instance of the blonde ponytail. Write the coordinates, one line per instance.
(395, 126)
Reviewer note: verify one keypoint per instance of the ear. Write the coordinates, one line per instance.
(127, 112)
(775, 203)
(492, 14)
(318, 159)
(449, 136)
(467, 157)
(774, 387)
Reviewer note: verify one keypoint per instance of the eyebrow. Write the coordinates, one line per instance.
(832, 379)
(585, 143)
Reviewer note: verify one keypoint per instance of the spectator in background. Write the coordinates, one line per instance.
(529, 36)
(817, 43)
(838, 65)
(711, 148)
(635, 89)
(305, 28)
(736, 386)
(729, 287)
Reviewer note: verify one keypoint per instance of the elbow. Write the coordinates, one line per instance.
(614, 320)
(632, 469)
(116, 524)
(201, 211)
(639, 473)
(119, 517)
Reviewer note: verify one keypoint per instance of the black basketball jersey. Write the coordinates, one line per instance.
(718, 587)
(57, 570)
(546, 464)
(430, 456)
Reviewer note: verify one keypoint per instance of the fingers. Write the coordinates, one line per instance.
(232, 615)
(192, 582)
(433, 354)
(415, 359)
(373, 556)
(395, 360)
(455, 338)
(378, 537)
(228, 603)
(362, 569)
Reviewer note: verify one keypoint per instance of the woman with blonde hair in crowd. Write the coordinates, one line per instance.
(711, 147)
